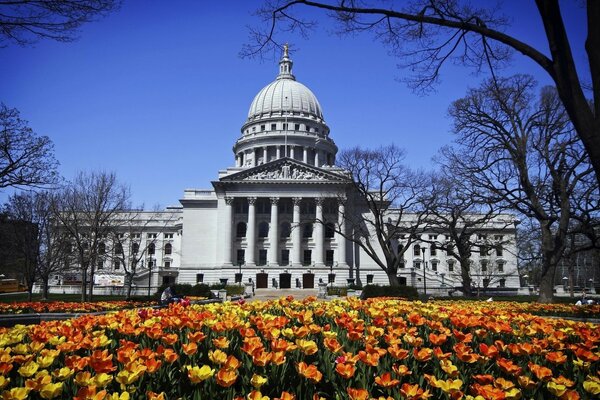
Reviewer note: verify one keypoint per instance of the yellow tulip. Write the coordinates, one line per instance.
(217, 356)
(513, 394)
(19, 393)
(288, 333)
(63, 374)
(84, 378)
(51, 390)
(308, 347)
(45, 361)
(21, 348)
(197, 375)
(28, 369)
(592, 386)
(117, 396)
(556, 389)
(257, 380)
(4, 381)
(102, 379)
(131, 374)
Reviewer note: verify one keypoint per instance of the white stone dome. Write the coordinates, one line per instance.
(288, 96)
(285, 96)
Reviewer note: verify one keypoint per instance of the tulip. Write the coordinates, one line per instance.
(51, 390)
(197, 375)
(257, 381)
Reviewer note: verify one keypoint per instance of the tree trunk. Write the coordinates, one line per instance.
(550, 257)
(45, 288)
(393, 278)
(547, 285)
(465, 274)
(128, 283)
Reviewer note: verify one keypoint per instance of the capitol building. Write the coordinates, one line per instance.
(273, 218)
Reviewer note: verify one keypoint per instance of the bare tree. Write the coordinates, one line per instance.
(524, 153)
(26, 21)
(86, 211)
(26, 160)
(385, 207)
(425, 34)
(128, 249)
(41, 250)
(466, 222)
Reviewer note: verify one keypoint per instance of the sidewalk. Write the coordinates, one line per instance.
(272, 294)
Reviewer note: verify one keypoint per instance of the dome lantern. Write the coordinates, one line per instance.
(285, 65)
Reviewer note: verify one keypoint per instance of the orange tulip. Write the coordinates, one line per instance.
(196, 337)
(437, 340)
(226, 378)
(386, 380)
(189, 348)
(345, 370)
(556, 357)
(397, 352)
(286, 396)
(542, 373)
(101, 361)
(423, 354)
(357, 394)
(413, 392)
(221, 342)
(309, 371)
(509, 367)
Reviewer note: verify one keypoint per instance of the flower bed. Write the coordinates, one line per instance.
(286, 349)
(67, 306)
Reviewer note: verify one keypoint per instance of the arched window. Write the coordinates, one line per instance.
(417, 250)
(263, 230)
(240, 230)
(168, 248)
(151, 248)
(308, 230)
(329, 230)
(286, 229)
(400, 248)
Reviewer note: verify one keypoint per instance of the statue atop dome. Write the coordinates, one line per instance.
(285, 65)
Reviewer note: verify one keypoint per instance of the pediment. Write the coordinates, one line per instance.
(286, 170)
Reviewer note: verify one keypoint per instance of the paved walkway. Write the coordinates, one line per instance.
(271, 294)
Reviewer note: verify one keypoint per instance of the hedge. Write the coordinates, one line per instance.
(407, 292)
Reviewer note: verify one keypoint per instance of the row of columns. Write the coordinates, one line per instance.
(273, 253)
(318, 157)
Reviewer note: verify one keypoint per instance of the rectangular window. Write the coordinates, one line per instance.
(483, 251)
(434, 265)
(263, 128)
(199, 278)
(167, 264)
(117, 264)
(100, 264)
(168, 236)
(262, 257)
(297, 127)
(401, 265)
(307, 257)
(285, 126)
(273, 127)
(500, 266)
(136, 235)
(499, 251)
(150, 264)
(450, 266)
(502, 282)
(433, 250)
(416, 250)
(241, 257)
(329, 257)
(285, 257)
(417, 264)
(151, 235)
(484, 266)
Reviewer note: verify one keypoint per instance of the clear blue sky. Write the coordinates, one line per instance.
(157, 92)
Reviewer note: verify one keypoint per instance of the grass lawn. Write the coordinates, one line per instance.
(21, 297)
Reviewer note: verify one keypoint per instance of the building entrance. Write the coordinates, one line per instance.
(308, 281)
(285, 280)
(262, 280)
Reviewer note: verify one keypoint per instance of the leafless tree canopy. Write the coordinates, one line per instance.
(25, 159)
(426, 34)
(385, 190)
(26, 21)
(521, 151)
(87, 211)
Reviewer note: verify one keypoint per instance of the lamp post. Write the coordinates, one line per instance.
(150, 265)
(424, 276)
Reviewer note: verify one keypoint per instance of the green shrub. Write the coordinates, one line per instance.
(234, 290)
(407, 292)
(337, 291)
(185, 289)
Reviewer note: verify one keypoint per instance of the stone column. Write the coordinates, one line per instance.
(316, 157)
(251, 233)
(254, 163)
(278, 150)
(228, 237)
(274, 233)
(319, 234)
(292, 152)
(305, 155)
(265, 154)
(296, 234)
(341, 241)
